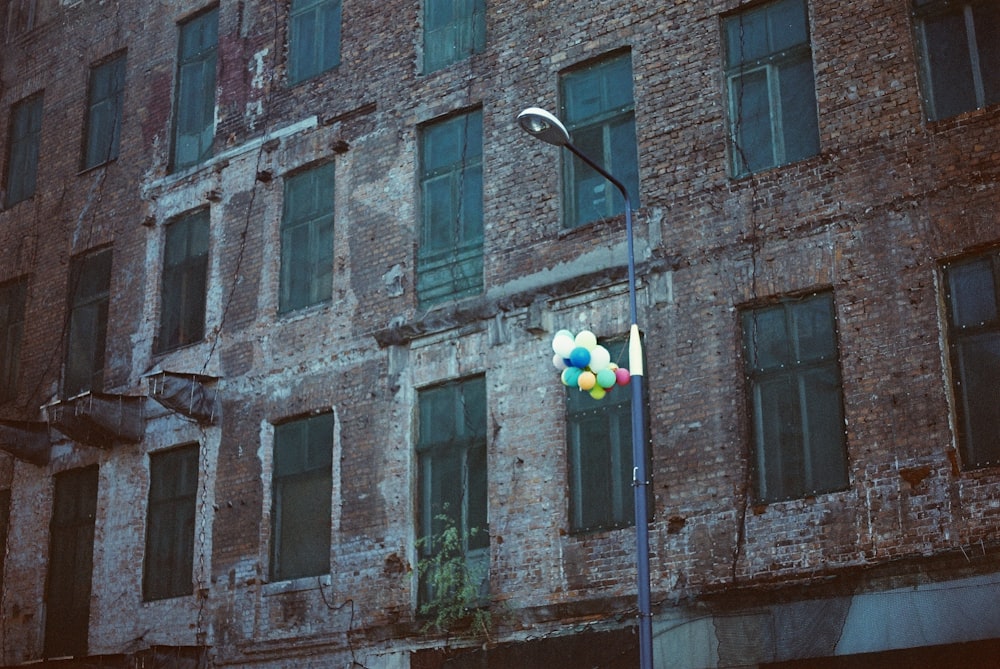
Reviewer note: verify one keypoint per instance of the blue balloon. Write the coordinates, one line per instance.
(580, 357)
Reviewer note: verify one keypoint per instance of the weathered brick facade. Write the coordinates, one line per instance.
(889, 197)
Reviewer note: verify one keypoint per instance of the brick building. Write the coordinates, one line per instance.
(279, 282)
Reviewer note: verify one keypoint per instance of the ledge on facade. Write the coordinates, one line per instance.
(100, 419)
(175, 657)
(192, 395)
(467, 311)
(28, 441)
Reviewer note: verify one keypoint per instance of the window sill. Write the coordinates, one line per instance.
(297, 585)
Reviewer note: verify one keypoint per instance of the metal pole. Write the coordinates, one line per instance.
(640, 478)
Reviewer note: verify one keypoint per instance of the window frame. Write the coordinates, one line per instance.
(451, 271)
(929, 10)
(184, 284)
(466, 32)
(197, 56)
(87, 326)
(168, 565)
(301, 68)
(13, 300)
(774, 61)
(105, 111)
(972, 424)
(462, 442)
(620, 158)
(24, 147)
(794, 447)
(315, 446)
(307, 281)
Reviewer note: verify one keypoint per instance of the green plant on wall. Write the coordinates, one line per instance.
(453, 583)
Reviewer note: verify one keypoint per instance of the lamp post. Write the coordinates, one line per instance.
(546, 127)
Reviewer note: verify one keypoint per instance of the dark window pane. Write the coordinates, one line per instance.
(987, 22)
(90, 283)
(107, 85)
(753, 131)
(25, 138)
(972, 293)
(951, 75)
(184, 282)
(194, 110)
(800, 122)
(12, 302)
(173, 489)
(978, 381)
(307, 239)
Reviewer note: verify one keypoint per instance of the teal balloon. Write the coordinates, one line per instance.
(570, 375)
(605, 378)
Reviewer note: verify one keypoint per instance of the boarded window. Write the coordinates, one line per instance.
(173, 492)
(185, 274)
(25, 139)
(451, 455)
(313, 39)
(104, 112)
(12, 297)
(599, 112)
(972, 291)
(307, 239)
(194, 109)
(71, 554)
(450, 257)
(90, 284)
(772, 95)
(302, 486)
(453, 30)
(960, 55)
(796, 402)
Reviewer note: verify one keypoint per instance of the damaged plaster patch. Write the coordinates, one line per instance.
(393, 280)
(259, 69)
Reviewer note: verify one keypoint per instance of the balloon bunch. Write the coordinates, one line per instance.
(586, 364)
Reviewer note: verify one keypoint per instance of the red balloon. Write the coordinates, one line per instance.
(622, 376)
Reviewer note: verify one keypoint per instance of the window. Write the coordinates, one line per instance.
(4, 528)
(960, 49)
(104, 115)
(11, 331)
(71, 550)
(17, 16)
(307, 239)
(453, 30)
(972, 287)
(599, 113)
(314, 38)
(194, 109)
(185, 275)
(772, 96)
(90, 284)
(796, 405)
(25, 138)
(302, 484)
(599, 450)
(451, 457)
(173, 492)
(450, 257)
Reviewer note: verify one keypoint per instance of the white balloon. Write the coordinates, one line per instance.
(600, 358)
(558, 362)
(563, 344)
(586, 339)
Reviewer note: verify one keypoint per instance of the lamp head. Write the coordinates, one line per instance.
(544, 126)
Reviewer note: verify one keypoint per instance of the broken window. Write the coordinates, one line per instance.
(22, 159)
(453, 30)
(796, 403)
(972, 287)
(450, 256)
(599, 113)
(71, 550)
(185, 276)
(960, 50)
(173, 492)
(599, 452)
(11, 331)
(302, 486)
(194, 109)
(104, 115)
(451, 457)
(772, 96)
(90, 284)
(313, 39)
(307, 239)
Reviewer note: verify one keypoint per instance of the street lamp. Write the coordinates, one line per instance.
(546, 127)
